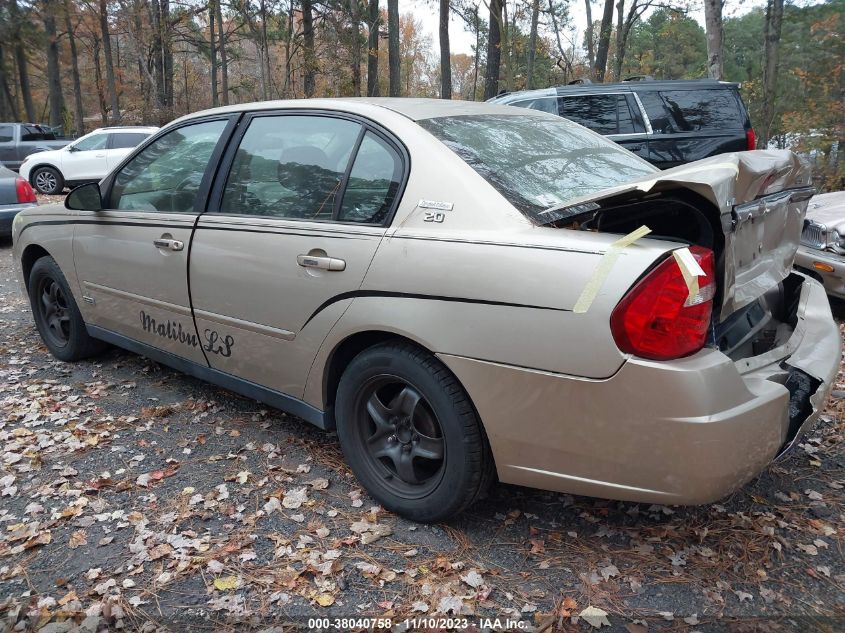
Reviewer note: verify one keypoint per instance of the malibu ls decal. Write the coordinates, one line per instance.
(173, 331)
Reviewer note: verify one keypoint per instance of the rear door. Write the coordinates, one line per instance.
(300, 208)
(688, 125)
(132, 258)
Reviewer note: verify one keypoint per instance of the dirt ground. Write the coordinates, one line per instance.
(135, 498)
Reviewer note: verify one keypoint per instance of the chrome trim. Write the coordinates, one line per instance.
(131, 296)
(646, 120)
(249, 326)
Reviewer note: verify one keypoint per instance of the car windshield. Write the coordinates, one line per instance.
(537, 162)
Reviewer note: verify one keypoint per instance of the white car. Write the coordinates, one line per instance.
(87, 159)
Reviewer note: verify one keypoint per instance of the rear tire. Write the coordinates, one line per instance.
(56, 314)
(48, 180)
(410, 433)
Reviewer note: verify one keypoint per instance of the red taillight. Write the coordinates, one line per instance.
(24, 191)
(658, 319)
(751, 137)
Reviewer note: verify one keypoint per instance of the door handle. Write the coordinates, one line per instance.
(173, 245)
(323, 263)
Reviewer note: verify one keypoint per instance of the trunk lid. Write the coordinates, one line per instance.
(761, 198)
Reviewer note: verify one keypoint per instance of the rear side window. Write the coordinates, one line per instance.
(373, 182)
(6, 133)
(122, 140)
(35, 133)
(692, 110)
(290, 166)
(605, 114)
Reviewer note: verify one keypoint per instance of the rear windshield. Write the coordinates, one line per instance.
(537, 162)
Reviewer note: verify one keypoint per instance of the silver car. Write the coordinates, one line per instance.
(463, 291)
(822, 250)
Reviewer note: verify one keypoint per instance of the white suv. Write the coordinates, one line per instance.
(87, 159)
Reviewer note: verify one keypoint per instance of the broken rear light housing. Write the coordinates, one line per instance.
(658, 319)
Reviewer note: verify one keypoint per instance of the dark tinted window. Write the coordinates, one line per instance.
(36, 133)
(7, 133)
(656, 111)
(290, 166)
(373, 182)
(121, 140)
(167, 174)
(605, 114)
(537, 162)
(544, 104)
(691, 110)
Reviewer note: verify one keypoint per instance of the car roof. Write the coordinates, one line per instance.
(411, 108)
(646, 85)
(126, 128)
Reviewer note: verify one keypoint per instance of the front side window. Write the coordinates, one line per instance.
(89, 143)
(6, 133)
(373, 182)
(537, 162)
(290, 166)
(167, 174)
(36, 133)
(123, 140)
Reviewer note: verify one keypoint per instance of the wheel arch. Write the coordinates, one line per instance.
(31, 254)
(38, 166)
(347, 349)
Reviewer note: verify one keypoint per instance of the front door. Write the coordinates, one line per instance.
(86, 159)
(132, 258)
(293, 230)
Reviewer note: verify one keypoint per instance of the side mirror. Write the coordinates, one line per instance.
(72, 148)
(85, 197)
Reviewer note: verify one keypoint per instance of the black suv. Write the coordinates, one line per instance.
(667, 123)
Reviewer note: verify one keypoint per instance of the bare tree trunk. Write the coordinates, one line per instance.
(54, 82)
(265, 49)
(620, 44)
(566, 58)
(355, 15)
(104, 27)
(393, 46)
(78, 111)
(6, 99)
(445, 52)
(212, 14)
(20, 58)
(98, 80)
(477, 53)
(373, 20)
(224, 61)
(532, 43)
(771, 53)
(506, 45)
(604, 40)
(713, 28)
(494, 51)
(308, 48)
(591, 50)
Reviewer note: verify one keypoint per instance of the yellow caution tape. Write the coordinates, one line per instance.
(690, 269)
(604, 267)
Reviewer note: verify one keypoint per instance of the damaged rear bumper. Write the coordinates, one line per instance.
(687, 431)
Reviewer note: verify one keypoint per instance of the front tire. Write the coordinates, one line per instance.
(48, 180)
(410, 433)
(56, 314)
